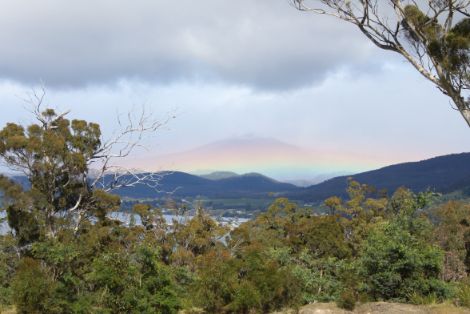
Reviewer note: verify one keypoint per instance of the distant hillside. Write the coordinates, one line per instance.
(250, 185)
(217, 175)
(184, 184)
(442, 174)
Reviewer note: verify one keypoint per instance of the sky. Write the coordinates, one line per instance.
(230, 72)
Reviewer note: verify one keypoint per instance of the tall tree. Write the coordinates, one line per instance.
(69, 170)
(432, 35)
(54, 154)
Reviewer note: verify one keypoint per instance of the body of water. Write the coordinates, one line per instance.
(126, 218)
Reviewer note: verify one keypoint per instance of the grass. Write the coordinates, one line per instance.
(463, 296)
(418, 299)
(8, 310)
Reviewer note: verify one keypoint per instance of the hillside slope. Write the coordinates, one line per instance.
(441, 174)
(184, 185)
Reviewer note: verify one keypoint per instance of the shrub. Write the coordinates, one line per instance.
(124, 284)
(463, 295)
(347, 300)
(33, 288)
(7, 265)
(396, 263)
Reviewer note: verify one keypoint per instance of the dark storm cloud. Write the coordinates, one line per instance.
(264, 44)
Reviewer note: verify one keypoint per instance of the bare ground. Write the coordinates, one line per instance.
(381, 307)
(368, 308)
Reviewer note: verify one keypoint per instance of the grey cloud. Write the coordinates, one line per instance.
(262, 44)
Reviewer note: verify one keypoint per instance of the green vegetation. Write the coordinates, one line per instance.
(65, 255)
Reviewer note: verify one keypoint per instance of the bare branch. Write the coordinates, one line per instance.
(415, 30)
(122, 145)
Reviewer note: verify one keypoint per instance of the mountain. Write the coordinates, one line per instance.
(441, 174)
(182, 184)
(313, 180)
(254, 183)
(217, 175)
(225, 158)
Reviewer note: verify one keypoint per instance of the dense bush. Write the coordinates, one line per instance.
(285, 257)
(34, 288)
(396, 264)
(8, 264)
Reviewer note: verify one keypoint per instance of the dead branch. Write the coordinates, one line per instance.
(390, 26)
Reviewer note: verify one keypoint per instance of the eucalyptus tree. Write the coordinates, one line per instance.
(69, 168)
(432, 35)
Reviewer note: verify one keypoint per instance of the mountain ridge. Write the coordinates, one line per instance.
(183, 184)
(216, 175)
(442, 174)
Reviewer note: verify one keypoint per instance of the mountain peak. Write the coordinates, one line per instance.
(217, 175)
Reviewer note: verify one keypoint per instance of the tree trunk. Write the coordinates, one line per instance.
(466, 115)
(460, 103)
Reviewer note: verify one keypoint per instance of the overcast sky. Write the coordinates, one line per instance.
(228, 69)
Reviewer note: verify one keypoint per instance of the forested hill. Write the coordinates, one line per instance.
(184, 184)
(181, 184)
(441, 174)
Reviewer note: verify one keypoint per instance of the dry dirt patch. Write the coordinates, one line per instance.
(381, 307)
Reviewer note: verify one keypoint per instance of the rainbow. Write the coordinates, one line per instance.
(269, 157)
